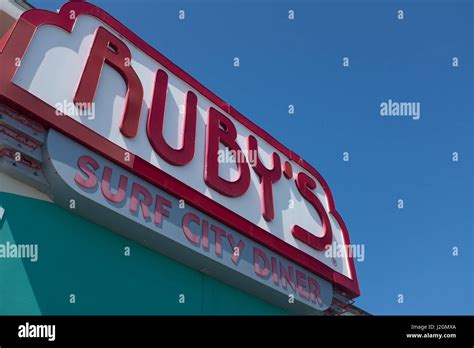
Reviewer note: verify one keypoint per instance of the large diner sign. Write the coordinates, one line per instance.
(120, 109)
(181, 232)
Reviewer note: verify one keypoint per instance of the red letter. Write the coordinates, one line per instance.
(187, 219)
(205, 234)
(314, 291)
(218, 244)
(159, 210)
(267, 177)
(301, 284)
(107, 48)
(305, 184)
(240, 247)
(274, 271)
(286, 276)
(138, 189)
(91, 180)
(105, 186)
(155, 125)
(221, 130)
(262, 272)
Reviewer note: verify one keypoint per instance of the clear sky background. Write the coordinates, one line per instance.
(408, 251)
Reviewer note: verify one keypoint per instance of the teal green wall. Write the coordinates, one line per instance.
(81, 258)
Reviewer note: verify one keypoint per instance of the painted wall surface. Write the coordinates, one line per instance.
(81, 258)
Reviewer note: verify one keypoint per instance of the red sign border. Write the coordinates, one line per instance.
(14, 45)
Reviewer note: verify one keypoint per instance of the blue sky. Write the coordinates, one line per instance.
(408, 251)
